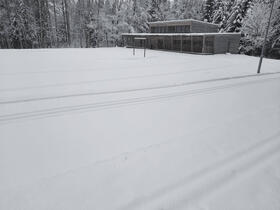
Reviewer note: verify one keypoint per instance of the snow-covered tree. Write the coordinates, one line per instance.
(235, 19)
(99, 23)
(254, 28)
(209, 10)
(219, 12)
(185, 9)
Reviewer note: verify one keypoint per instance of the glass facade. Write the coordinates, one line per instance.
(179, 36)
(171, 29)
(184, 43)
(209, 44)
(197, 44)
(187, 44)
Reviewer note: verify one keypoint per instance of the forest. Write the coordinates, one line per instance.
(28, 24)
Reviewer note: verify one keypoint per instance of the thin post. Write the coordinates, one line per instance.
(171, 44)
(181, 43)
(203, 47)
(266, 34)
(145, 48)
(191, 43)
(133, 46)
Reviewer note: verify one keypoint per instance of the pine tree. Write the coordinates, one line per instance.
(208, 10)
(192, 9)
(154, 10)
(5, 24)
(67, 21)
(23, 28)
(234, 22)
(219, 12)
(164, 10)
(175, 9)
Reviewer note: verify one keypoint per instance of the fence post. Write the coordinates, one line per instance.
(133, 46)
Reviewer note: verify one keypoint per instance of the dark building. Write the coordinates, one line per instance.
(185, 36)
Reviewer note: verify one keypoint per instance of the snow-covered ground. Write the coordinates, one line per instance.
(103, 129)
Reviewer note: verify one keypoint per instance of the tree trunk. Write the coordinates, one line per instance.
(55, 23)
(49, 23)
(64, 20)
(97, 30)
(7, 37)
(67, 18)
(40, 24)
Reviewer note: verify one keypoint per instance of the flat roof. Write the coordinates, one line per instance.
(177, 34)
(181, 21)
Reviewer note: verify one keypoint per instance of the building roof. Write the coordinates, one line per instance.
(176, 34)
(180, 21)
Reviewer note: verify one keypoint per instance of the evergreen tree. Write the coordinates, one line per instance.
(235, 19)
(219, 12)
(209, 10)
(164, 10)
(175, 9)
(154, 10)
(23, 29)
(93, 23)
(5, 23)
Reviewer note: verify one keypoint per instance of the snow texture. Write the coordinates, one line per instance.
(103, 129)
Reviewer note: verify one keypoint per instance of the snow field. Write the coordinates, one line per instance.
(101, 129)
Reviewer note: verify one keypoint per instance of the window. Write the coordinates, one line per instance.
(187, 44)
(160, 44)
(171, 29)
(155, 29)
(182, 29)
(179, 29)
(186, 29)
(167, 43)
(162, 29)
(177, 44)
(209, 44)
(197, 44)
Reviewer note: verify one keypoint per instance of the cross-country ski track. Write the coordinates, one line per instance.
(103, 129)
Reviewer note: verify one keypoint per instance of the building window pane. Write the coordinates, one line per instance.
(186, 44)
(186, 29)
(171, 29)
(209, 44)
(197, 44)
(176, 44)
(160, 44)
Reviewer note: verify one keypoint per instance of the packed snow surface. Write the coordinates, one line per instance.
(103, 129)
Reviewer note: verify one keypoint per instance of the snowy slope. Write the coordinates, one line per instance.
(102, 129)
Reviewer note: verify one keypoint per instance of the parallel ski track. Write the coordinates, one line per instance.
(113, 79)
(185, 193)
(133, 90)
(44, 113)
(98, 70)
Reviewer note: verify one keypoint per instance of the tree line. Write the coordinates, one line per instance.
(100, 23)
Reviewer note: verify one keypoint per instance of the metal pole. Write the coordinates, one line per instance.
(266, 34)
(145, 48)
(181, 47)
(133, 46)
(203, 46)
